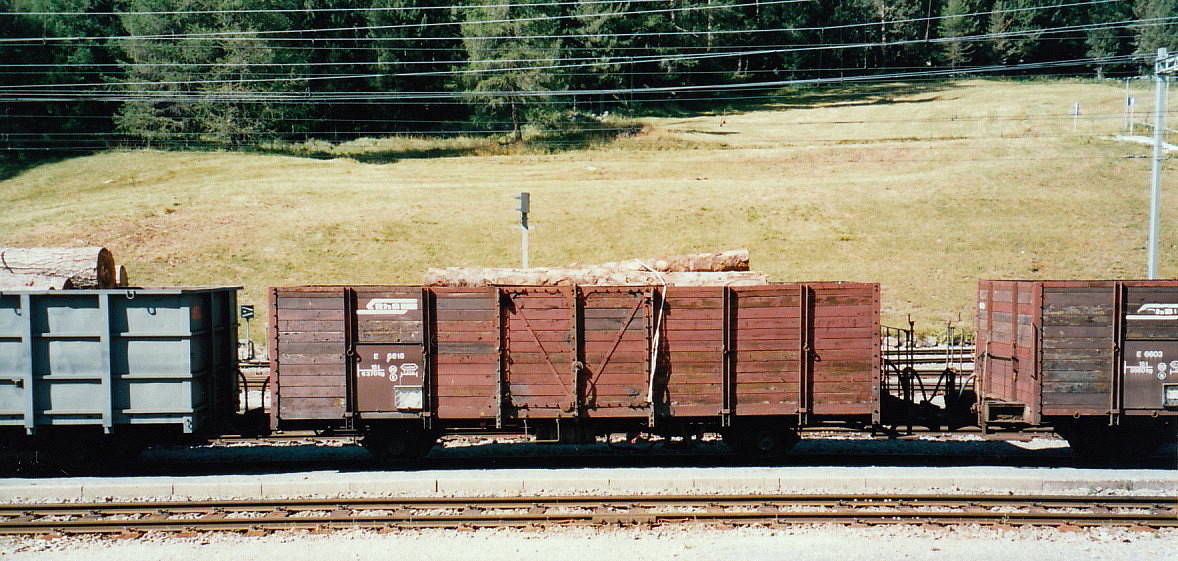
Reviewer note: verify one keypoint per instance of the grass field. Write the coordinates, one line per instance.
(924, 188)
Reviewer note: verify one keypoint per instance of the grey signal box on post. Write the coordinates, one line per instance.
(247, 312)
(525, 205)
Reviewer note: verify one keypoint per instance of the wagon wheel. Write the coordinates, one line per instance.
(396, 444)
(761, 441)
(1091, 439)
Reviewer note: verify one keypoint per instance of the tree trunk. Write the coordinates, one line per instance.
(515, 127)
(121, 277)
(473, 276)
(20, 281)
(85, 267)
(731, 260)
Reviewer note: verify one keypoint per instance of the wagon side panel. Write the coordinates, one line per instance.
(766, 350)
(692, 344)
(467, 367)
(539, 348)
(616, 327)
(1079, 337)
(845, 347)
(308, 354)
(1150, 345)
(1008, 340)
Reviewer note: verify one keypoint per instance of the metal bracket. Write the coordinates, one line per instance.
(728, 400)
(806, 355)
(1166, 63)
(1116, 394)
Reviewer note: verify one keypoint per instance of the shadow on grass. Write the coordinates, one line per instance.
(12, 165)
(590, 134)
(809, 97)
(492, 146)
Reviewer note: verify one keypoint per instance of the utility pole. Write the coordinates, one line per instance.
(1166, 64)
(524, 207)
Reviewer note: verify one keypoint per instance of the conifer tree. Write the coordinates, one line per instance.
(513, 60)
(957, 53)
(1151, 36)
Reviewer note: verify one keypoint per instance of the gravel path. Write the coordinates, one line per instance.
(577, 544)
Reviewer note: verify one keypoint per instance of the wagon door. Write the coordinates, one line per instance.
(617, 351)
(388, 351)
(539, 360)
(1150, 346)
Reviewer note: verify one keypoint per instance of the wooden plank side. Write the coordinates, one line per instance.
(335, 315)
(445, 371)
(299, 392)
(331, 380)
(1096, 400)
(287, 348)
(324, 370)
(285, 359)
(288, 337)
(312, 408)
(302, 303)
(309, 326)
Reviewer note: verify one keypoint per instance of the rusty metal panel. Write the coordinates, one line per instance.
(389, 377)
(1149, 365)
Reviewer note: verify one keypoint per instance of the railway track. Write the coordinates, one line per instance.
(399, 513)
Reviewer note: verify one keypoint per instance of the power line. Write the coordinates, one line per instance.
(467, 96)
(1034, 117)
(626, 61)
(254, 34)
(43, 67)
(230, 34)
(311, 11)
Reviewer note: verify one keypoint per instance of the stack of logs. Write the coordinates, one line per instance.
(725, 268)
(59, 268)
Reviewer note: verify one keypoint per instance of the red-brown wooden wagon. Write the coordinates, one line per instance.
(1095, 360)
(403, 364)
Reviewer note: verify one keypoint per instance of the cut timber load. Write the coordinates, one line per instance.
(83, 267)
(11, 281)
(471, 276)
(725, 268)
(731, 260)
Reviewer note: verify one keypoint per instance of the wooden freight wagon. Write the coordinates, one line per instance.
(1096, 360)
(405, 364)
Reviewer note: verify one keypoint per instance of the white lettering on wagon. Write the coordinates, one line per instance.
(375, 370)
(1156, 312)
(388, 306)
(1142, 368)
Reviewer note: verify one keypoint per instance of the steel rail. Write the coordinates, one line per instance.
(451, 512)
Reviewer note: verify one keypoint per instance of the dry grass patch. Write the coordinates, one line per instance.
(923, 190)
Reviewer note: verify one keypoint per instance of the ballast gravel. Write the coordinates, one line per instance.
(813, 543)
